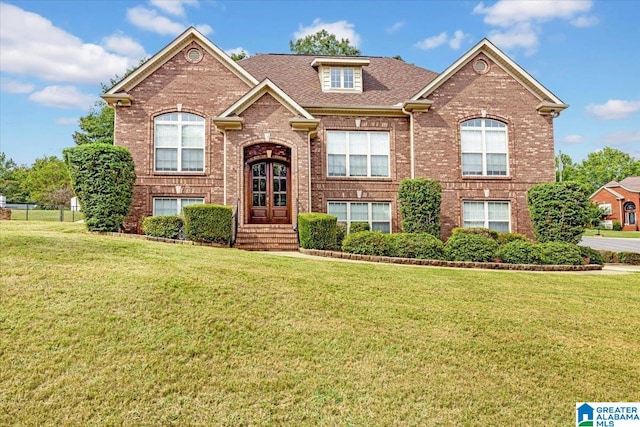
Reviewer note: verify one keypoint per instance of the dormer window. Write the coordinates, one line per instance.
(341, 74)
(341, 78)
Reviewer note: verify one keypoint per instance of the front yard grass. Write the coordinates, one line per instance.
(590, 232)
(102, 330)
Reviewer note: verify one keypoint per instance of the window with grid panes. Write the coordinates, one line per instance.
(484, 147)
(358, 154)
(376, 214)
(494, 215)
(179, 142)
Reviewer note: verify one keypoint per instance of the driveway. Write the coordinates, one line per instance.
(612, 244)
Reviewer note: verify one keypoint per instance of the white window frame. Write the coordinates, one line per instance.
(483, 126)
(485, 220)
(605, 208)
(178, 145)
(370, 218)
(181, 202)
(339, 75)
(347, 153)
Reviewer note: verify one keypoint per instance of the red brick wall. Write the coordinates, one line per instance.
(617, 206)
(205, 88)
(530, 142)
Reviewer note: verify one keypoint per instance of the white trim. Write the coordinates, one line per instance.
(265, 86)
(347, 154)
(486, 211)
(179, 124)
(178, 200)
(501, 60)
(483, 128)
(369, 212)
(160, 58)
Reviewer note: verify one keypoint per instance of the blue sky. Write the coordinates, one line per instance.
(54, 54)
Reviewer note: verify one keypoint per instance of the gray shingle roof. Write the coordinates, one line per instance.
(386, 81)
(631, 183)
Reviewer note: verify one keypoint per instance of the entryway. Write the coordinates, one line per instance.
(269, 195)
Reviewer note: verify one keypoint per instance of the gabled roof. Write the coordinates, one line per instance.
(387, 82)
(160, 58)
(546, 97)
(631, 183)
(266, 86)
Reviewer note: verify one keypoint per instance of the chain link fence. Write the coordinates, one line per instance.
(35, 212)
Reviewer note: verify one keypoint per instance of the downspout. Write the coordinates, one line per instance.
(224, 167)
(411, 142)
(308, 172)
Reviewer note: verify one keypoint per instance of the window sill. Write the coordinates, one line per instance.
(178, 173)
(486, 177)
(359, 178)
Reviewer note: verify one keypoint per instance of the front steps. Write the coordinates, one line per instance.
(267, 237)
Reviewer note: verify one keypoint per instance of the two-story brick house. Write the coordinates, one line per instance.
(274, 135)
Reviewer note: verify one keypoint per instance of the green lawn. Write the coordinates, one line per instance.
(45, 215)
(590, 232)
(102, 330)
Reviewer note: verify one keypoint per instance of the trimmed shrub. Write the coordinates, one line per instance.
(616, 226)
(102, 176)
(504, 238)
(591, 256)
(208, 223)
(317, 230)
(415, 245)
(492, 234)
(470, 247)
(561, 253)
(166, 226)
(629, 258)
(420, 201)
(520, 252)
(341, 231)
(366, 243)
(559, 211)
(356, 227)
(610, 257)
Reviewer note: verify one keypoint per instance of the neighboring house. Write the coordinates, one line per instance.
(620, 202)
(275, 135)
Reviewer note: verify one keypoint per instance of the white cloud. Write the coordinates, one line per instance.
(63, 97)
(573, 139)
(519, 36)
(506, 13)
(341, 29)
(148, 19)
(623, 137)
(585, 21)
(521, 20)
(395, 27)
(457, 39)
(64, 121)
(124, 45)
(14, 86)
(432, 42)
(31, 45)
(204, 29)
(613, 109)
(173, 7)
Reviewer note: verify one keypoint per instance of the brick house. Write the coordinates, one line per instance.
(619, 201)
(274, 135)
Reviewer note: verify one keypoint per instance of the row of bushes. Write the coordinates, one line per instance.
(477, 245)
(201, 223)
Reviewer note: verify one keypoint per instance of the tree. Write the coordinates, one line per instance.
(97, 126)
(323, 43)
(420, 200)
(11, 178)
(565, 169)
(102, 177)
(47, 182)
(239, 55)
(559, 211)
(608, 164)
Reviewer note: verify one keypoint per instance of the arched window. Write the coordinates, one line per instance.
(630, 213)
(484, 147)
(179, 143)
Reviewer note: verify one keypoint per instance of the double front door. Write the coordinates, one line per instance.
(269, 193)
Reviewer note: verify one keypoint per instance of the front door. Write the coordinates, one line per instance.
(269, 196)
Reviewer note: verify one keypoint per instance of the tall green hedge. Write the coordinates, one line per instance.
(420, 201)
(102, 177)
(559, 211)
(317, 230)
(208, 223)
